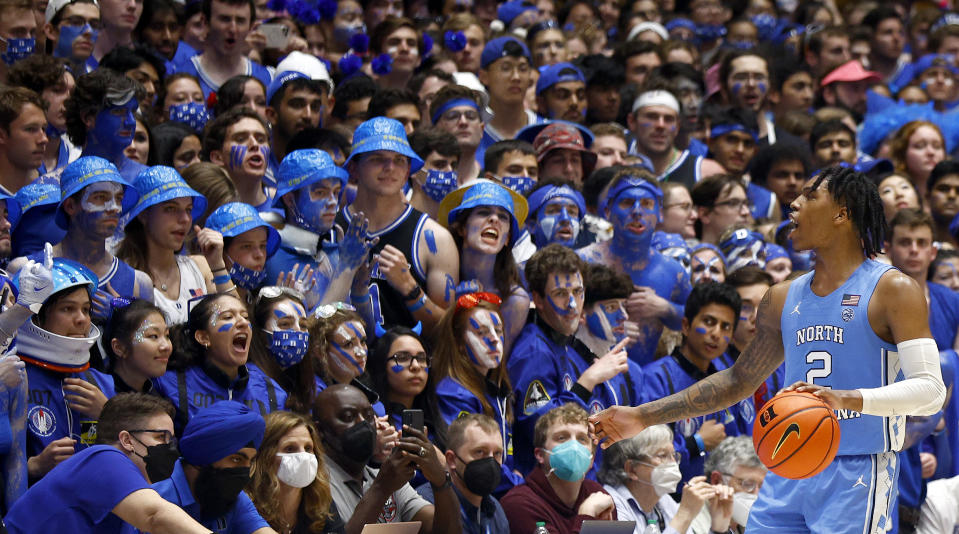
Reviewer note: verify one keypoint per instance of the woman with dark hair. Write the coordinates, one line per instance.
(210, 361)
(483, 218)
(241, 91)
(289, 484)
(399, 369)
(181, 100)
(471, 373)
(136, 341)
(280, 342)
(176, 145)
(142, 145)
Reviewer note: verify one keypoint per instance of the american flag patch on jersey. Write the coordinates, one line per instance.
(849, 300)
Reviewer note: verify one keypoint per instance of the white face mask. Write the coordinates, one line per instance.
(665, 478)
(297, 469)
(742, 504)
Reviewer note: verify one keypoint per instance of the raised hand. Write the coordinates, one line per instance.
(356, 245)
(211, 246)
(103, 302)
(36, 281)
(614, 424)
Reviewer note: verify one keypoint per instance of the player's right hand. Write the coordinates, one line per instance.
(713, 433)
(614, 424)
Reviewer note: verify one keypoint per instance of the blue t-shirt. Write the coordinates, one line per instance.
(943, 315)
(192, 66)
(79, 495)
(241, 519)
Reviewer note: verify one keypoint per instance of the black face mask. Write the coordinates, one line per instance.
(216, 490)
(357, 442)
(160, 460)
(481, 476)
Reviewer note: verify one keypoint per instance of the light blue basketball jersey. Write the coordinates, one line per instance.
(828, 341)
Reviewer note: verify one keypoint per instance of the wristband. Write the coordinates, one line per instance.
(413, 294)
(221, 279)
(700, 444)
(419, 304)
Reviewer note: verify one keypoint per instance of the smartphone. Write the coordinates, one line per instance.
(413, 419)
(277, 35)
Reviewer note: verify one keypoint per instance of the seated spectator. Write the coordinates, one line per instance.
(289, 484)
(113, 474)
(640, 473)
(216, 452)
(556, 491)
(137, 345)
(366, 495)
(209, 360)
(734, 463)
(475, 444)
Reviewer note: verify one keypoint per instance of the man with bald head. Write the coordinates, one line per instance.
(345, 419)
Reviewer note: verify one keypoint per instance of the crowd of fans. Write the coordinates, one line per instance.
(298, 266)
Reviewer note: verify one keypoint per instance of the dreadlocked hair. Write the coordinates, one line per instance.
(855, 192)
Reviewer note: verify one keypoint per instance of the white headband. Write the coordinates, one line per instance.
(656, 98)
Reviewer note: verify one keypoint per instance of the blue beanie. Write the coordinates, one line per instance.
(220, 430)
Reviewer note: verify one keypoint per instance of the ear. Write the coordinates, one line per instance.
(773, 96)
(541, 457)
(450, 458)
(702, 213)
(627, 468)
(841, 216)
(202, 337)
(685, 328)
(4, 135)
(89, 120)
(484, 77)
(631, 121)
(829, 95)
(125, 439)
(51, 31)
(715, 478)
(541, 107)
(70, 206)
(537, 299)
(118, 348)
(216, 157)
(271, 115)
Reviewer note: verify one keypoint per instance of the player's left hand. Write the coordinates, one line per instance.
(837, 399)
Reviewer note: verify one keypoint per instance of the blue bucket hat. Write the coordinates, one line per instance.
(90, 170)
(159, 184)
(305, 167)
(381, 133)
(235, 218)
(13, 209)
(484, 193)
(551, 75)
(497, 49)
(508, 11)
(37, 194)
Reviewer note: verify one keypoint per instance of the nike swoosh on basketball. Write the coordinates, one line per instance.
(793, 427)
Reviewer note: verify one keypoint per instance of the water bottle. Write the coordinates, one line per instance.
(652, 526)
(540, 528)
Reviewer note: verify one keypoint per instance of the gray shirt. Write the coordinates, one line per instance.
(347, 492)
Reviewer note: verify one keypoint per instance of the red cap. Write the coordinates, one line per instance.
(850, 71)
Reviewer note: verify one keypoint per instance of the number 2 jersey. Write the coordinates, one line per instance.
(829, 342)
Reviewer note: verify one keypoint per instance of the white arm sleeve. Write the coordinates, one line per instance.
(921, 393)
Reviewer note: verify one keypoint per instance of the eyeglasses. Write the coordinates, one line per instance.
(736, 204)
(79, 21)
(327, 310)
(454, 115)
(272, 292)
(685, 206)
(471, 300)
(405, 359)
(666, 456)
(747, 484)
(168, 436)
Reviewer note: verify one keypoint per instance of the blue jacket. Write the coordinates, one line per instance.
(203, 384)
(489, 518)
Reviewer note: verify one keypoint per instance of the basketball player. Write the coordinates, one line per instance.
(851, 323)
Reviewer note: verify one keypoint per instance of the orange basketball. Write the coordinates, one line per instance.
(796, 435)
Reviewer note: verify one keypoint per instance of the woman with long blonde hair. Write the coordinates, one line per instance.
(289, 483)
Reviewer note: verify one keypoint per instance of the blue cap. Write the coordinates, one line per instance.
(66, 274)
(510, 10)
(13, 209)
(280, 81)
(90, 170)
(496, 49)
(541, 196)
(235, 218)
(663, 240)
(551, 75)
(305, 167)
(484, 193)
(220, 430)
(37, 194)
(381, 133)
(774, 252)
(628, 182)
(159, 184)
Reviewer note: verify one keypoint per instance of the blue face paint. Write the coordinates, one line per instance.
(547, 226)
(700, 330)
(450, 289)
(18, 49)
(316, 215)
(237, 155)
(484, 340)
(762, 87)
(68, 35)
(105, 139)
(628, 209)
(225, 327)
(737, 88)
(430, 241)
(605, 319)
(279, 313)
(438, 184)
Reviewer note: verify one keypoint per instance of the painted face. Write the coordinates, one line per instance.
(113, 128)
(947, 273)
(707, 265)
(315, 206)
(558, 222)
(680, 255)
(287, 315)
(606, 320)
(347, 352)
(100, 205)
(408, 366)
(150, 347)
(249, 249)
(487, 229)
(229, 333)
(634, 214)
(562, 305)
(748, 249)
(779, 268)
(484, 339)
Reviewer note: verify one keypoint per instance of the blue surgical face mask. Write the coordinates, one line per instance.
(603, 319)
(547, 226)
(18, 49)
(439, 184)
(68, 35)
(570, 460)
(520, 184)
(309, 213)
(193, 114)
(288, 346)
(247, 278)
